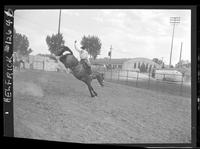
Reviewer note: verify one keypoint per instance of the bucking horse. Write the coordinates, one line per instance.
(78, 69)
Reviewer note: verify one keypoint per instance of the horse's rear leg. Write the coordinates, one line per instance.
(91, 89)
(94, 92)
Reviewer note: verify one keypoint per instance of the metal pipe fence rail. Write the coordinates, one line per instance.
(41, 65)
(169, 83)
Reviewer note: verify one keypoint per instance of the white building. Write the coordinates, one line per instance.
(41, 63)
(135, 64)
(168, 75)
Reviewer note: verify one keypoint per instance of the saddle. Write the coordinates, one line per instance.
(86, 66)
(68, 60)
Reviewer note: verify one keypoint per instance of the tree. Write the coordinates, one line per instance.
(29, 51)
(92, 45)
(134, 65)
(183, 63)
(150, 68)
(158, 61)
(155, 60)
(21, 44)
(146, 67)
(139, 65)
(54, 43)
(153, 72)
(142, 68)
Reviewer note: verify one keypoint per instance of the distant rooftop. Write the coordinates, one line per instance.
(118, 61)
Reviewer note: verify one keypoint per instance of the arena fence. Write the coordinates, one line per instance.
(169, 83)
(42, 65)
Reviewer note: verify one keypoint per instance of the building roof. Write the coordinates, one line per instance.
(142, 59)
(109, 61)
(39, 58)
(121, 61)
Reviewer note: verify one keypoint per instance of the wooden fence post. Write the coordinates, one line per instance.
(137, 78)
(181, 88)
(43, 65)
(111, 72)
(127, 76)
(32, 65)
(118, 74)
(149, 81)
(164, 79)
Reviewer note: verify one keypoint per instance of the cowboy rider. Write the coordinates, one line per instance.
(83, 56)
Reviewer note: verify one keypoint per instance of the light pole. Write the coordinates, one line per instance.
(162, 62)
(110, 52)
(59, 22)
(174, 21)
(180, 55)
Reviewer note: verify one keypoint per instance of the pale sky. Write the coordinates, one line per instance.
(131, 32)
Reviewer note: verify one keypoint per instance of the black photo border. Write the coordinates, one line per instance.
(8, 114)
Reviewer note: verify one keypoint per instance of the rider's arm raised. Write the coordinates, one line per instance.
(77, 49)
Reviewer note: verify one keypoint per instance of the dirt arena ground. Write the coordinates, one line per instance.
(57, 106)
